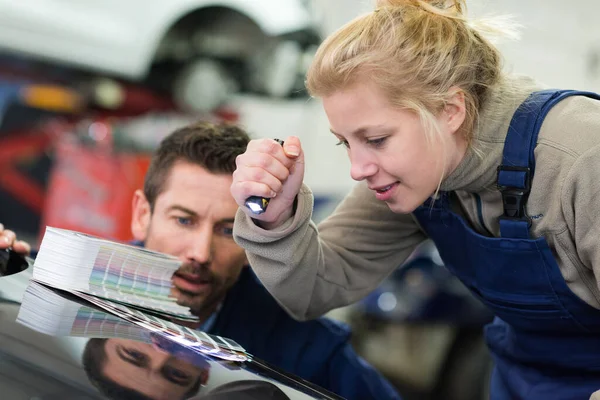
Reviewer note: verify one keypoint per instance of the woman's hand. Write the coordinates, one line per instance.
(270, 170)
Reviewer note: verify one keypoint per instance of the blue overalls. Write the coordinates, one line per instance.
(545, 341)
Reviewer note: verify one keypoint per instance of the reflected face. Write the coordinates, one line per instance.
(151, 372)
(193, 220)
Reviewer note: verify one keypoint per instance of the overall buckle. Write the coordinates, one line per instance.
(514, 198)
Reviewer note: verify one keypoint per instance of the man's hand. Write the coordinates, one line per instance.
(9, 239)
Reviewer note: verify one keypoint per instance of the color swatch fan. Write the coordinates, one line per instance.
(130, 275)
(62, 313)
(46, 311)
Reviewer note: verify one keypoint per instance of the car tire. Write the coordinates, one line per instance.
(275, 70)
(203, 85)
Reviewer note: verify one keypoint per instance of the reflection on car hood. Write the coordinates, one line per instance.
(11, 263)
(53, 347)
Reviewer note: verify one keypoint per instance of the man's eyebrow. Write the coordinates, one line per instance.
(227, 220)
(177, 207)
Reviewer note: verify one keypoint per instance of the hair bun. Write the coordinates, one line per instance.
(456, 7)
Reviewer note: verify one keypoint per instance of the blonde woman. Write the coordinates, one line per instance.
(502, 175)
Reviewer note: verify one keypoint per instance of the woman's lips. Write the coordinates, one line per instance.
(386, 193)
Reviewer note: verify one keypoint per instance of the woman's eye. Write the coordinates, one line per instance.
(343, 143)
(377, 142)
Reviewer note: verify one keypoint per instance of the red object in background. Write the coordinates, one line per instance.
(19, 147)
(91, 188)
(14, 150)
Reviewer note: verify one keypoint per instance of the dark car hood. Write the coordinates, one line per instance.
(49, 366)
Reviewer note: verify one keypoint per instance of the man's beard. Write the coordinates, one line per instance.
(200, 304)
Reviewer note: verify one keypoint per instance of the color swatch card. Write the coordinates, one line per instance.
(114, 271)
(47, 311)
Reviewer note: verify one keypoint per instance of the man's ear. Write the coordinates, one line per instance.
(455, 111)
(140, 216)
(204, 376)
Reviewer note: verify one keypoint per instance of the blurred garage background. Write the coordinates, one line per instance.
(88, 88)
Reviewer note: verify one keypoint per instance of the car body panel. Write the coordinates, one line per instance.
(49, 367)
(121, 38)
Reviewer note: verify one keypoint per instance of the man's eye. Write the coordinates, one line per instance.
(184, 221)
(176, 376)
(226, 230)
(134, 354)
(177, 373)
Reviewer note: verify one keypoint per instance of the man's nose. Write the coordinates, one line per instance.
(158, 359)
(200, 246)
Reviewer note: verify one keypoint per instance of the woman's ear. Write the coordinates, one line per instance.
(140, 216)
(455, 110)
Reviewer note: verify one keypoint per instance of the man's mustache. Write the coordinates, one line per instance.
(198, 270)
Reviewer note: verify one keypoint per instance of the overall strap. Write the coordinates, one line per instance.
(518, 163)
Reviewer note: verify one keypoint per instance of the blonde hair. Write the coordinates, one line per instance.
(415, 51)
